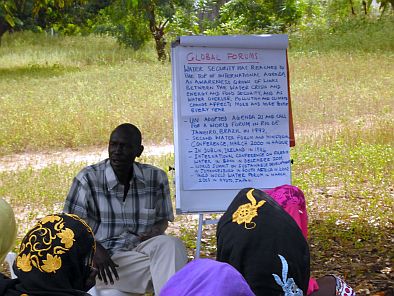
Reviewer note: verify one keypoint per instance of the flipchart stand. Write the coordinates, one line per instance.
(202, 222)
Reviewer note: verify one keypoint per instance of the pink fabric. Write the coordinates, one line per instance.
(292, 200)
(312, 286)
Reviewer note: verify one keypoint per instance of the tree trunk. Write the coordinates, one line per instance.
(352, 7)
(365, 7)
(160, 44)
(158, 34)
(4, 27)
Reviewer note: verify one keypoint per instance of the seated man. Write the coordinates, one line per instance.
(128, 206)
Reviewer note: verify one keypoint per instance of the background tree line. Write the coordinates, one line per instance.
(135, 22)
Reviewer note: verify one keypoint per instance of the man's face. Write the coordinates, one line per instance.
(123, 148)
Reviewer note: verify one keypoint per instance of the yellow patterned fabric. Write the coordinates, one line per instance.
(45, 243)
(246, 212)
(55, 259)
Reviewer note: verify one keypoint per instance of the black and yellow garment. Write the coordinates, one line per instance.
(55, 259)
(264, 243)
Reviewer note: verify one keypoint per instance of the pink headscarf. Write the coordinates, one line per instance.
(292, 200)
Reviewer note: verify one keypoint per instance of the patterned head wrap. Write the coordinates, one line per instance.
(342, 288)
(8, 229)
(55, 256)
(258, 238)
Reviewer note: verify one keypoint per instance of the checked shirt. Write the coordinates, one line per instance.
(97, 197)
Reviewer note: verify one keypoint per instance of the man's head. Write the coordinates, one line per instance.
(124, 146)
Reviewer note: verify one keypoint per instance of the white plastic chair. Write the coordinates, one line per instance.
(10, 258)
(93, 291)
(109, 292)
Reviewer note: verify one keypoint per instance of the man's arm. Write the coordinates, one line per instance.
(77, 203)
(163, 207)
(157, 229)
(76, 200)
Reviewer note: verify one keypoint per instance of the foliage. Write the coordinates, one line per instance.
(258, 16)
(68, 17)
(278, 16)
(72, 19)
(184, 22)
(366, 34)
(130, 29)
(7, 18)
(6, 8)
(134, 22)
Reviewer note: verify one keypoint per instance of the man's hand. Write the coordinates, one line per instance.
(104, 264)
(157, 229)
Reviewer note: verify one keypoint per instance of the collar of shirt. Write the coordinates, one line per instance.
(112, 180)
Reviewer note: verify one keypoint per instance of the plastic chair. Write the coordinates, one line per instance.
(10, 258)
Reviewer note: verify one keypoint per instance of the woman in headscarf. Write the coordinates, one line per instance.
(205, 277)
(256, 227)
(258, 238)
(55, 259)
(8, 229)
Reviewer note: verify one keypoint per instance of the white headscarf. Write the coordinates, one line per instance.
(8, 229)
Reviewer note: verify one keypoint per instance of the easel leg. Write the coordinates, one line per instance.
(199, 234)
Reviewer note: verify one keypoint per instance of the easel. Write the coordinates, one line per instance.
(202, 222)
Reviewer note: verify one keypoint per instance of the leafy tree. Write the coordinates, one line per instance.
(130, 29)
(134, 22)
(258, 16)
(71, 19)
(7, 18)
(19, 13)
(385, 5)
(342, 9)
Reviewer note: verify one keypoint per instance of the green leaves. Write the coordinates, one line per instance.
(6, 12)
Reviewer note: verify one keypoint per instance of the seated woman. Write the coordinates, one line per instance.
(55, 258)
(206, 277)
(8, 229)
(267, 246)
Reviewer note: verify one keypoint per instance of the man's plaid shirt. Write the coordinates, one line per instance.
(97, 197)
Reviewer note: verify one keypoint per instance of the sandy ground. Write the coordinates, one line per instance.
(39, 160)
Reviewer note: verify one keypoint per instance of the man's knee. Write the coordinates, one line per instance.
(169, 241)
